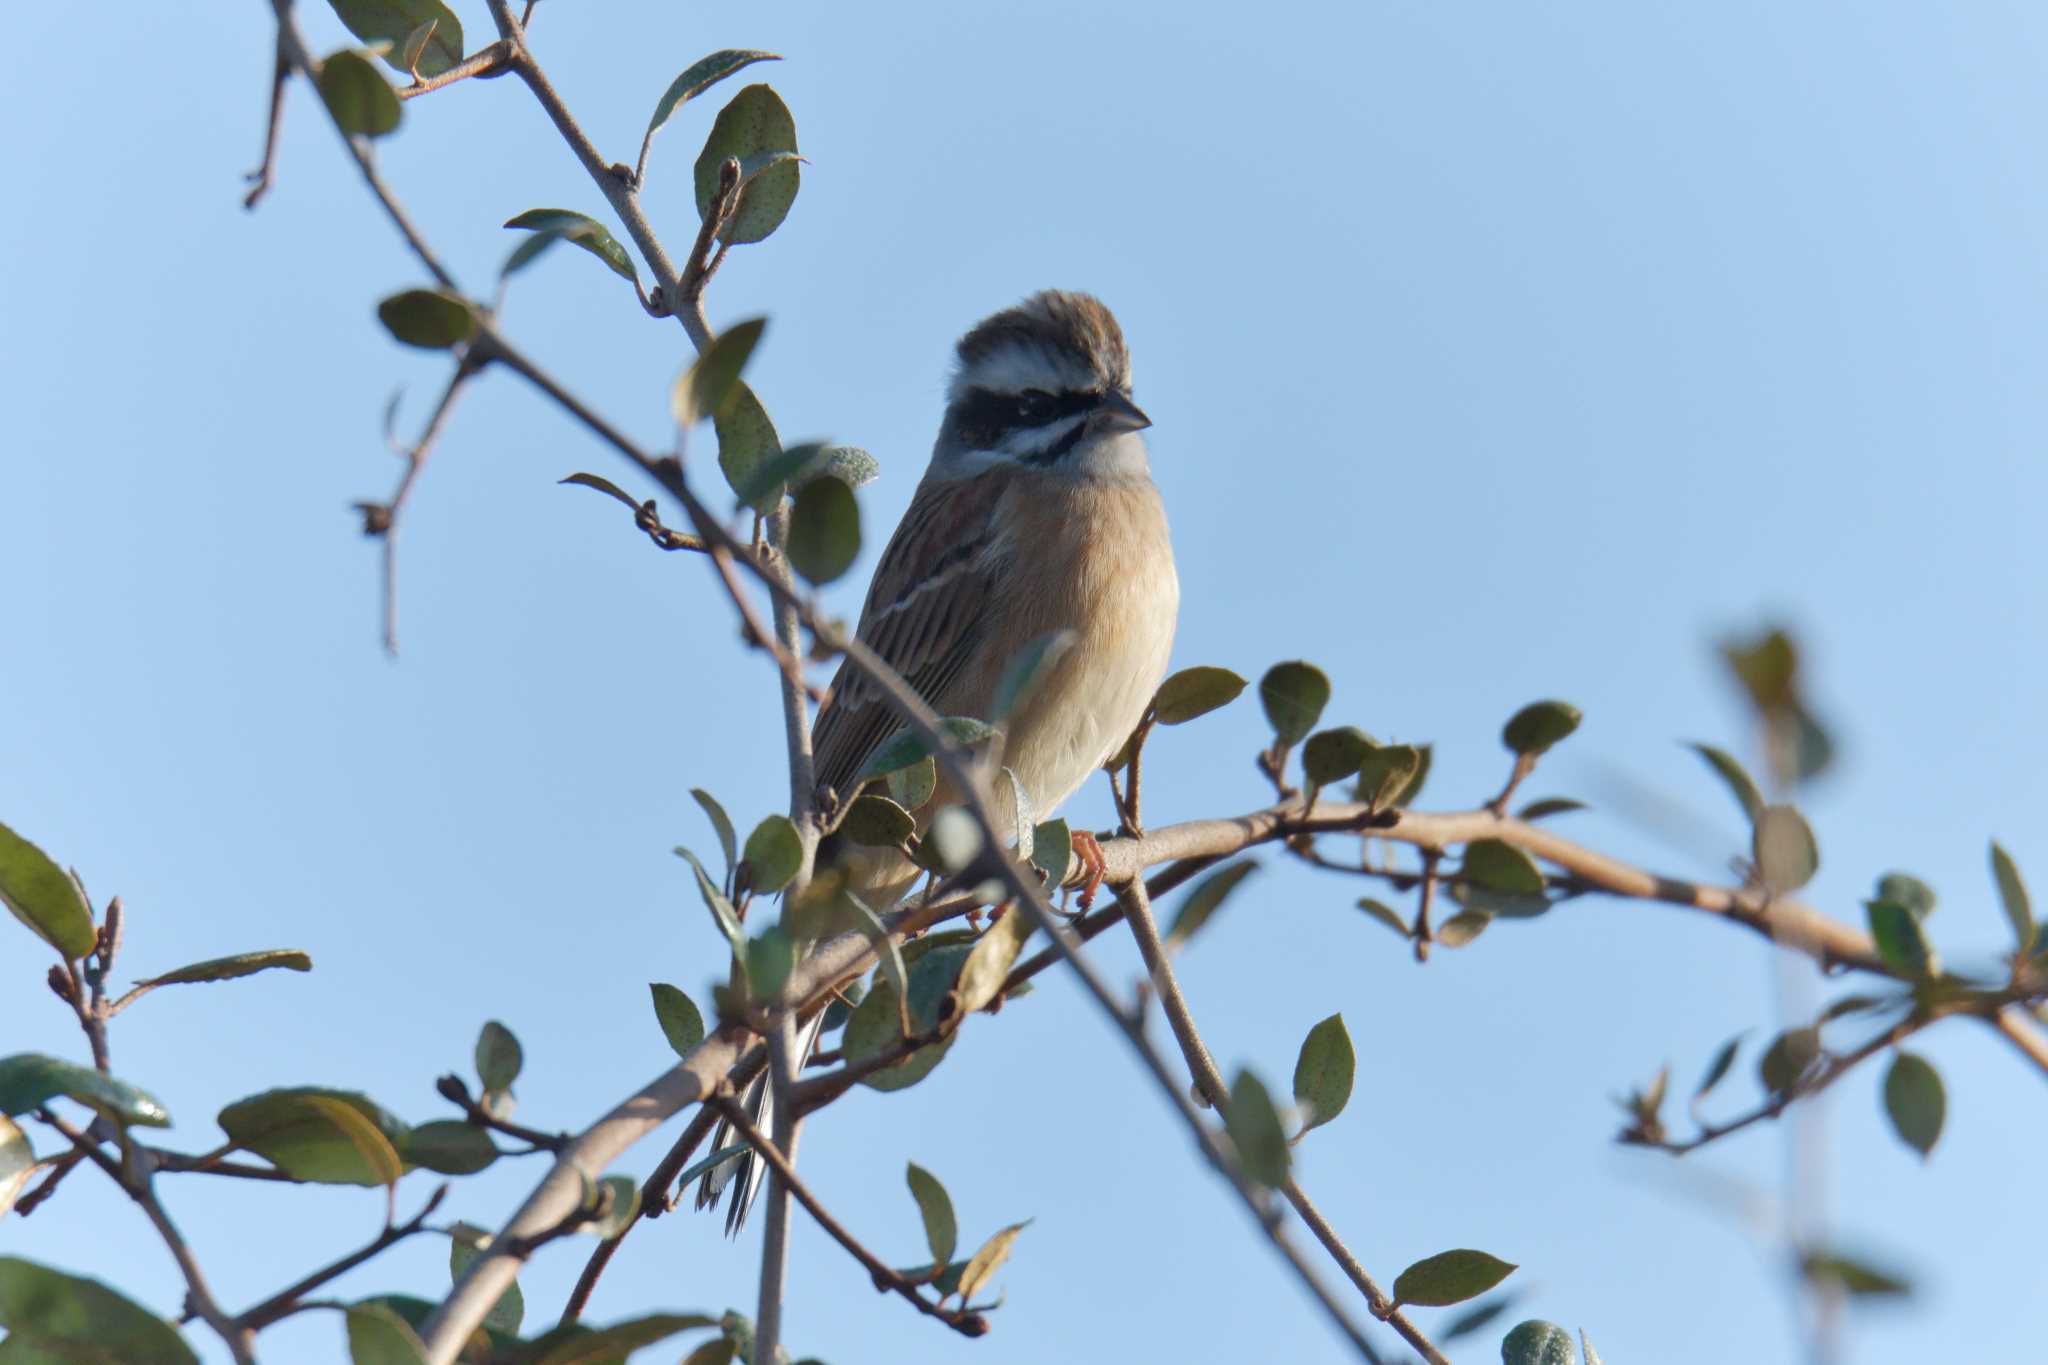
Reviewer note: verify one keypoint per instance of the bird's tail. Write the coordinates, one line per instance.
(745, 1171)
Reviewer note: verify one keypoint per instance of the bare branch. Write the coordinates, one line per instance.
(485, 61)
(287, 1301)
(963, 1321)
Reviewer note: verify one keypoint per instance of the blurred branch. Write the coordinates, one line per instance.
(133, 1175)
(287, 1301)
(491, 60)
(451, 1088)
(681, 292)
(964, 1321)
(266, 171)
(380, 519)
(1209, 1083)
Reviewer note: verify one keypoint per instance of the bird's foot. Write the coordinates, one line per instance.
(1089, 851)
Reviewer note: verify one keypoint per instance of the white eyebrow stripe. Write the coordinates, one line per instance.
(1014, 369)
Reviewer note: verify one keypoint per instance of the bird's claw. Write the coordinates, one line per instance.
(1093, 864)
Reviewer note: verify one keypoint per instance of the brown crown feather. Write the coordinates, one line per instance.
(1056, 321)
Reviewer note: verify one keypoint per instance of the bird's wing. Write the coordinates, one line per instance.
(928, 610)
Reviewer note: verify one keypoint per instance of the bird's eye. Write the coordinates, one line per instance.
(1034, 405)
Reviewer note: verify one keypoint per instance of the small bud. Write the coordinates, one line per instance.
(60, 984)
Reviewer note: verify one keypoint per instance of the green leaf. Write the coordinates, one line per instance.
(698, 77)
(1501, 866)
(747, 443)
(1718, 1068)
(1410, 793)
(396, 21)
(775, 854)
(1537, 1342)
(432, 319)
(953, 840)
(877, 822)
(1388, 773)
(1900, 940)
(465, 1244)
(1786, 1062)
(1195, 692)
(2012, 894)
(578, 229)
(1012, 800)
(1461, 928)
(327, 1137)
(1783, 845)
(450, 1146)
(28, 1079)
(1450, 1277)
(228, 968)
(53, 1317)
(498, 1056)
(717, 1351)
(754, 122)
(983, 1264)
(1052, 851)
(1333, 755)
(1294, 695)
(904, 749)
(1028, 668)
(874, 1027)
(1256, 1131)
(700, 1166)
(1385, 914)
(824, 530)
(770, 959)
(17, 1162)
(721, 825)
(618, 1202)
(1205, 899)
(727, 918)
(1586, 1343)
(1549, 805)
(988, 965)
(941, 1232)
(362, 102)
(414, 50)
(1323, 1072)
(800, 464)
(1852, 1277)
(1903, 888)
(611, 1345)
(1915, 1101)
(378, 1336)
(912, 786)
(41, 896)
(677, 1014)
(602, 485)
(1539, 725)
(703, 388)
(1738, 781)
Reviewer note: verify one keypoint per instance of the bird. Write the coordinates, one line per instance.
(1037, 517)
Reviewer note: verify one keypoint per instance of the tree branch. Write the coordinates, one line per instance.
(964, 1321)
(486, 61)
(131, 1173)
(286, 1301)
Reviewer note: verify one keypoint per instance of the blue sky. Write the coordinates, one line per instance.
(1495, 352)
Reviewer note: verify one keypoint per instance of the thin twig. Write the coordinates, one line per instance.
(286, 1301)
(133, 1176)
(380, 519)
(1209, 1083)
(452, 1089)
(260, 178)
(485, 61)
(965, 1322)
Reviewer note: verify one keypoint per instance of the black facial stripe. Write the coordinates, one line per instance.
(1059, 449)
(984, 416)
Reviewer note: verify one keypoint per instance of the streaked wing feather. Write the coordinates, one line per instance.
(926, 610)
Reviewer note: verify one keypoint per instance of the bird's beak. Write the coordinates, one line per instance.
(1116, 414)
